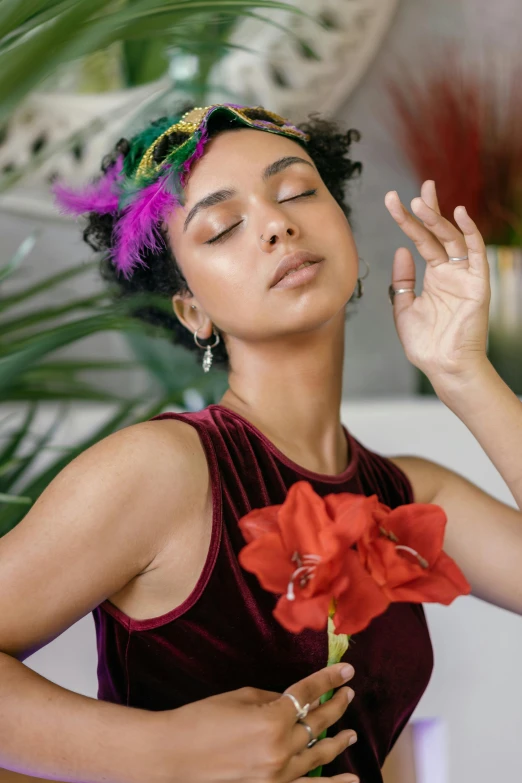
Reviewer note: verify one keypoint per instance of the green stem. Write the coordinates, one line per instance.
(337, 646)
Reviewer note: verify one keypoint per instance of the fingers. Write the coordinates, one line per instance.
(476, 248)
(427, 244)
(313, 687)
(403, 276)
(436, 238)
(429, 194)
(447, 234)
(322, 718)
(323, 753)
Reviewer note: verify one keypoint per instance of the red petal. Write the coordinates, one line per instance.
(301, 518)
(258, 522)
(352, 514)
(441, 584)
(361, 602)
(420, 526)
(266, 558)
(399, 567)
(297, 615)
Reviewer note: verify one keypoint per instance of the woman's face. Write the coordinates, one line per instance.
(218, 245)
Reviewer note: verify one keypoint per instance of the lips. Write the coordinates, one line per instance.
(291, 261)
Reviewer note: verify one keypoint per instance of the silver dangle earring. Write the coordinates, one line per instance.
(207, 358)
(359, 290)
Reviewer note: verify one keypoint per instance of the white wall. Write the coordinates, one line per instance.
(476, 688)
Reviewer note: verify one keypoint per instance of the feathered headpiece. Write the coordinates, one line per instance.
(141, 192)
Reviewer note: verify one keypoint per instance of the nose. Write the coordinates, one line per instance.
(272, 239)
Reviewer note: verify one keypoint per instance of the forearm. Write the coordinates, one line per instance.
(50, 732)
(493, 414)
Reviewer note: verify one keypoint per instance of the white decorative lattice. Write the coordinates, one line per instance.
(279, 76)
(276, 74)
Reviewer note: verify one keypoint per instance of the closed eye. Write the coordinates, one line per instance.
(227, 231)
(311, 192)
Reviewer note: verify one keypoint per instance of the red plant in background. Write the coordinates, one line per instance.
(463, 129)
(349, 553)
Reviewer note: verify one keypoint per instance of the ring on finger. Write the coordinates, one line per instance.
(313, 739)
(458, 258)
(302, 712)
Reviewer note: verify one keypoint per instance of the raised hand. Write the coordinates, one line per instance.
(444, 329)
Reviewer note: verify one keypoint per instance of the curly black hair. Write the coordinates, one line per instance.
(329, 149)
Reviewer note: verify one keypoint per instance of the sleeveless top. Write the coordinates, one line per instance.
(224, 636)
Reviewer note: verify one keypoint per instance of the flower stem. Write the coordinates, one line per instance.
(337, 646)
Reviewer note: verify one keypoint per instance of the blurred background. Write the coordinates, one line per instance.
(434, 88)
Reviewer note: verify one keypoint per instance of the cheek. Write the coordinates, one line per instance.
(335, 233)
(221, 283)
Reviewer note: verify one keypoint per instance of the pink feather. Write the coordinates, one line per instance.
(137, 228)
(100, 196)
(198, 152)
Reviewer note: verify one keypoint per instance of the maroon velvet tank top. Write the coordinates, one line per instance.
(224, 636)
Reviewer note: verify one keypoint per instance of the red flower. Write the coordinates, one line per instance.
(350, 549)
(296, 549)
(403, 553)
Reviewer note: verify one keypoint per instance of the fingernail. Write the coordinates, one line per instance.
(347, 671)
(351, 694)
(353, 740)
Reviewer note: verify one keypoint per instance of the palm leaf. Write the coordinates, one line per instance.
(22, 464)
(10, 516)
(16, 500)
(19, 435)
(51, 313)
(24, 249)
(24, 353)
(84, 27)
(43, 285)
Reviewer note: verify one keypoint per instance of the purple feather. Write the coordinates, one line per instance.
(137, 228)
(198, 152)
(100, 196)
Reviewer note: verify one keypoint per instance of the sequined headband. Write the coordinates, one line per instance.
(142, 192)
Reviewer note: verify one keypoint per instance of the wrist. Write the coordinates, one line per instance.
(452, 388)
(163, 733)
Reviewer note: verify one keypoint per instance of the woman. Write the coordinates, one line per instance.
(217, 212)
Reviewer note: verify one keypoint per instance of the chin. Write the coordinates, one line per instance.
(319, 311)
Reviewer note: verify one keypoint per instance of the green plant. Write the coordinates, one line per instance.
(31, 374)
(37, 39)
(38, 36)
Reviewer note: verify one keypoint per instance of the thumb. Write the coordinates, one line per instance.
(403, 276)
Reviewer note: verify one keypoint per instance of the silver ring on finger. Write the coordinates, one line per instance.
(302, 712)
(313, 739)
(458, 258)
(392, 291)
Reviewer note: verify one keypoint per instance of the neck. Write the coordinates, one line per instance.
(292, 392)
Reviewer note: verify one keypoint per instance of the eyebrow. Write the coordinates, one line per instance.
(225, 194)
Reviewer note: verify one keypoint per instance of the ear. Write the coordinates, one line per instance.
(191, 315)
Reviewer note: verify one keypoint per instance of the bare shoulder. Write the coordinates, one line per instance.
(96, 527)
(426, 477)
(163, 459)
(162, 445)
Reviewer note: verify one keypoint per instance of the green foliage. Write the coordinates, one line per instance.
(38, 36)
(37, 39)
(30, 374)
